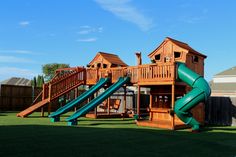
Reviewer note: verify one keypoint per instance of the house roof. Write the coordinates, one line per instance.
(229, 72)
(223, 87)
(17, 81)
(112, 58)
(182, 45)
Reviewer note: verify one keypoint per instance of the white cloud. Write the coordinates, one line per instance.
(24, 23)
(7, 72)
(16, 51)
(124, 10)
(191, 19)
(88, 29)
(13, 59)
(87, 40)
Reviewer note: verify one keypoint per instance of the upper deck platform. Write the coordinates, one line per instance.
(147, 74)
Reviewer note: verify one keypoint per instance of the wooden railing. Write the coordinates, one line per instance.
(152, 73)
(142, 74)
(62, 83)
(68, 82)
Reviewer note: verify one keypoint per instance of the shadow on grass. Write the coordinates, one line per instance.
(43, 140)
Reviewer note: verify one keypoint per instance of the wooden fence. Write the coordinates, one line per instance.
(221, 111)
(16, 98)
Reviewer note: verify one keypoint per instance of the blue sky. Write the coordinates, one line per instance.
(33, 33)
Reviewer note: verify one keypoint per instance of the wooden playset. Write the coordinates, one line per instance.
(163, 76)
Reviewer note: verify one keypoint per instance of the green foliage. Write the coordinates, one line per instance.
(49, 69)
(37, 82)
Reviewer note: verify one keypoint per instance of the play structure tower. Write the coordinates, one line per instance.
(170, 60)
(174, 76)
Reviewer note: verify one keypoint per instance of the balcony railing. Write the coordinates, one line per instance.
(142, 74)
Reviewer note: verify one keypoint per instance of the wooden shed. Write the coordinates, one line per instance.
(106, 60)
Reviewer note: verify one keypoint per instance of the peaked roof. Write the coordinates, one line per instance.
(230, 72)
(223, 87)
(182, 45)
(112, 58)
(17, 81)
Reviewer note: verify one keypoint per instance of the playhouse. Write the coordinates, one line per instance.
(174, 77)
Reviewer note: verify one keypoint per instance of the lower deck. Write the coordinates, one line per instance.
(164, 118)
(106, 115)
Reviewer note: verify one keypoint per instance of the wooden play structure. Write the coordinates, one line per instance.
(160, 76)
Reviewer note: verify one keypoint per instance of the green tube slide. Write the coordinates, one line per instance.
(200, 92)
(55, 117)
(72, 120)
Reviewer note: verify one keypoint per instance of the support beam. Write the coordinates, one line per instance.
(42, 112)
(108, 106)
(138, 101)
(172, 105)
(49, 108)
(125, 102)
(150, 106)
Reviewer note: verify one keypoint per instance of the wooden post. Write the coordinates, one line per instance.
(172, 105)
(150, 106)
(42, 112)
(75, 95)
(49, 108)
(138, 102)
(95, 109)
(124, 107)
(108, 106)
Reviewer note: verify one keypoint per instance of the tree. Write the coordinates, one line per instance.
(49, 69)
(37, 82)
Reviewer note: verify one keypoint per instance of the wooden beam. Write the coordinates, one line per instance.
(150, 106)
(49, 108)
(42, 112)
(172, 105)
(138, 102)
(108, 105)
(125, 102)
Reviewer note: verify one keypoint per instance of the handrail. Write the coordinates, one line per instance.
(73, 80)
(146, 73)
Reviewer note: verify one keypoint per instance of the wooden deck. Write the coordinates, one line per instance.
(148, 74)
(106, 115)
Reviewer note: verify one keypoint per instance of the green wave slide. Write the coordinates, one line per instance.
(200, 92)
(72, 120)
(55, 117)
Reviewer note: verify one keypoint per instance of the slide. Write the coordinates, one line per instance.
(72, 120)
(56, 115)
(200, 92)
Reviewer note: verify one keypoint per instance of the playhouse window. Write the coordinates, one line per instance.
(104, 65)
(158, 57)
(195, 59)
(177, 54)
(98, 65)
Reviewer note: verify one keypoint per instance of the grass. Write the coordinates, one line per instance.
(37, 137)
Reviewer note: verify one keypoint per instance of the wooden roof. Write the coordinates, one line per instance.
(180, 44)
(112, 58)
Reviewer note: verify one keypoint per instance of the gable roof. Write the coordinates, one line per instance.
(223, 87)
(180, 44)
(112, 58)
(228, 72)
(17, 81)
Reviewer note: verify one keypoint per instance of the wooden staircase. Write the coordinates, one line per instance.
(64, 81)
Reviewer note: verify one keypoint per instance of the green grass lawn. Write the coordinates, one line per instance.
(38, 137)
